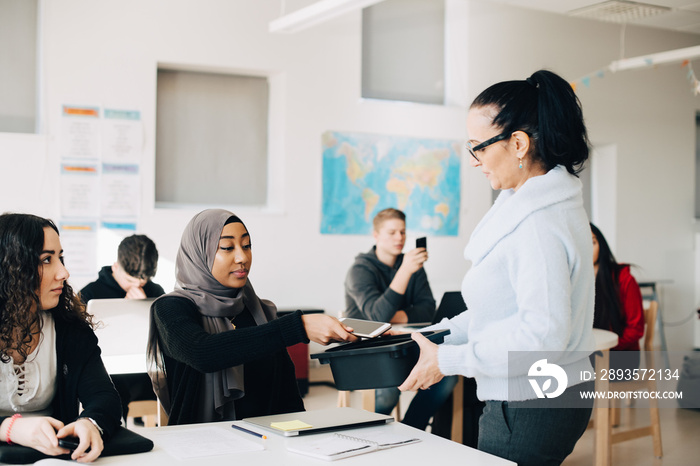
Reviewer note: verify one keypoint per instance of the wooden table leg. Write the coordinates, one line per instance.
(603, 430)
(343, 399)
(368, 400)
(458, 410)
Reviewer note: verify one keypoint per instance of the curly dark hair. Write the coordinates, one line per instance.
(21, 245)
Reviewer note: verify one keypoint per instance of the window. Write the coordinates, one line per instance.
(403, 51)
(211, 139)
(18, 65)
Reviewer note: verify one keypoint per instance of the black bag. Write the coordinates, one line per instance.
(123, 442)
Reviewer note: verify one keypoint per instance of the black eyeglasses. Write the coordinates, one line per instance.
(485, 144)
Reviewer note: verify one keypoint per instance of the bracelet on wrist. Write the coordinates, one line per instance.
(9, 427)
(99, 429)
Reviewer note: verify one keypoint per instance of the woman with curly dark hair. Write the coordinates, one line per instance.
(49, 358)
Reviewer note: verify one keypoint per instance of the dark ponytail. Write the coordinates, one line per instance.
(546, 108)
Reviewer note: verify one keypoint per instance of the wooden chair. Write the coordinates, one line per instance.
(654, 429)
(162, 415)
(367, 402)
(151, 411)
(145, 409)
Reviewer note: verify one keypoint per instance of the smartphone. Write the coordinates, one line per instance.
(422, 242)
(366, 328)
(69, 443)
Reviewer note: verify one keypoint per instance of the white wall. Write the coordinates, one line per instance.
(107, 53)
(648, 115)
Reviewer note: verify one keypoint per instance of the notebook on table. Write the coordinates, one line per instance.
(317, 421)
(336, 446)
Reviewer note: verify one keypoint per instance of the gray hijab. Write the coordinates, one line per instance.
(218, 305)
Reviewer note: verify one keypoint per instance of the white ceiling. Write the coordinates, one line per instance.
(684, 15)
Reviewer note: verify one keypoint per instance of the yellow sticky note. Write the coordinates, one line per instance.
(290, 425)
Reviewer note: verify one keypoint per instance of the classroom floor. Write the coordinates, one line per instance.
(680, 429)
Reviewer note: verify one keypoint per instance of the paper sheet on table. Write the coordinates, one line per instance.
(212, 441)
(54, 461)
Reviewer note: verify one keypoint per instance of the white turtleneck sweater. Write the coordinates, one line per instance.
(530, 289)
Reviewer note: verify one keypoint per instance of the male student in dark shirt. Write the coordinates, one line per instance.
(129, 277)
(387, 285)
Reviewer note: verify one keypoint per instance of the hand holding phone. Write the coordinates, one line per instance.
(366, 328)
(69, 443)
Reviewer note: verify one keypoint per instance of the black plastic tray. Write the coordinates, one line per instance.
(376, 363)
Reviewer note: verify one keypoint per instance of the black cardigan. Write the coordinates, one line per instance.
(190, 352)
(81, 377)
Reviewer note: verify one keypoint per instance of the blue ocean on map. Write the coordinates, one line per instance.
(365, 173)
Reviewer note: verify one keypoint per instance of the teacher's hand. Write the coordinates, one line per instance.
(426, 371)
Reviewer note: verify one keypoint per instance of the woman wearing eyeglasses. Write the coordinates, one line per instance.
(528, 332)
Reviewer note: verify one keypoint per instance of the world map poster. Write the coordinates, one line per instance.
(365, 173)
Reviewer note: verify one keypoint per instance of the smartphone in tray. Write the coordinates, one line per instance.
(366, 328)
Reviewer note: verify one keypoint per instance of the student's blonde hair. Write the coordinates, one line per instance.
(387, 214)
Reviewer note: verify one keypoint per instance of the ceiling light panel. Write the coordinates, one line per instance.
(620, 11)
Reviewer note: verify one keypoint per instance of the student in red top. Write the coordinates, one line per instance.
(618, 303)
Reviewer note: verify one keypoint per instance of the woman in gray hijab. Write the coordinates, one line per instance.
(217, 351)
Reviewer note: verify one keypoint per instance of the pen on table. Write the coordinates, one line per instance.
(243, 429)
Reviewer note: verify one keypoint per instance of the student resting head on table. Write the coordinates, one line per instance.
(530, 286)
(216, 350)
(49, 358)
(129, 278)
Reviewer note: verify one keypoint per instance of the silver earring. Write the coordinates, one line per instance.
(521, 164)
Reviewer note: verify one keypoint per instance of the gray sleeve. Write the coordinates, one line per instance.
(365, 297)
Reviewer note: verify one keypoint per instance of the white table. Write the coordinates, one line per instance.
(430, 450)
(604, 340)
